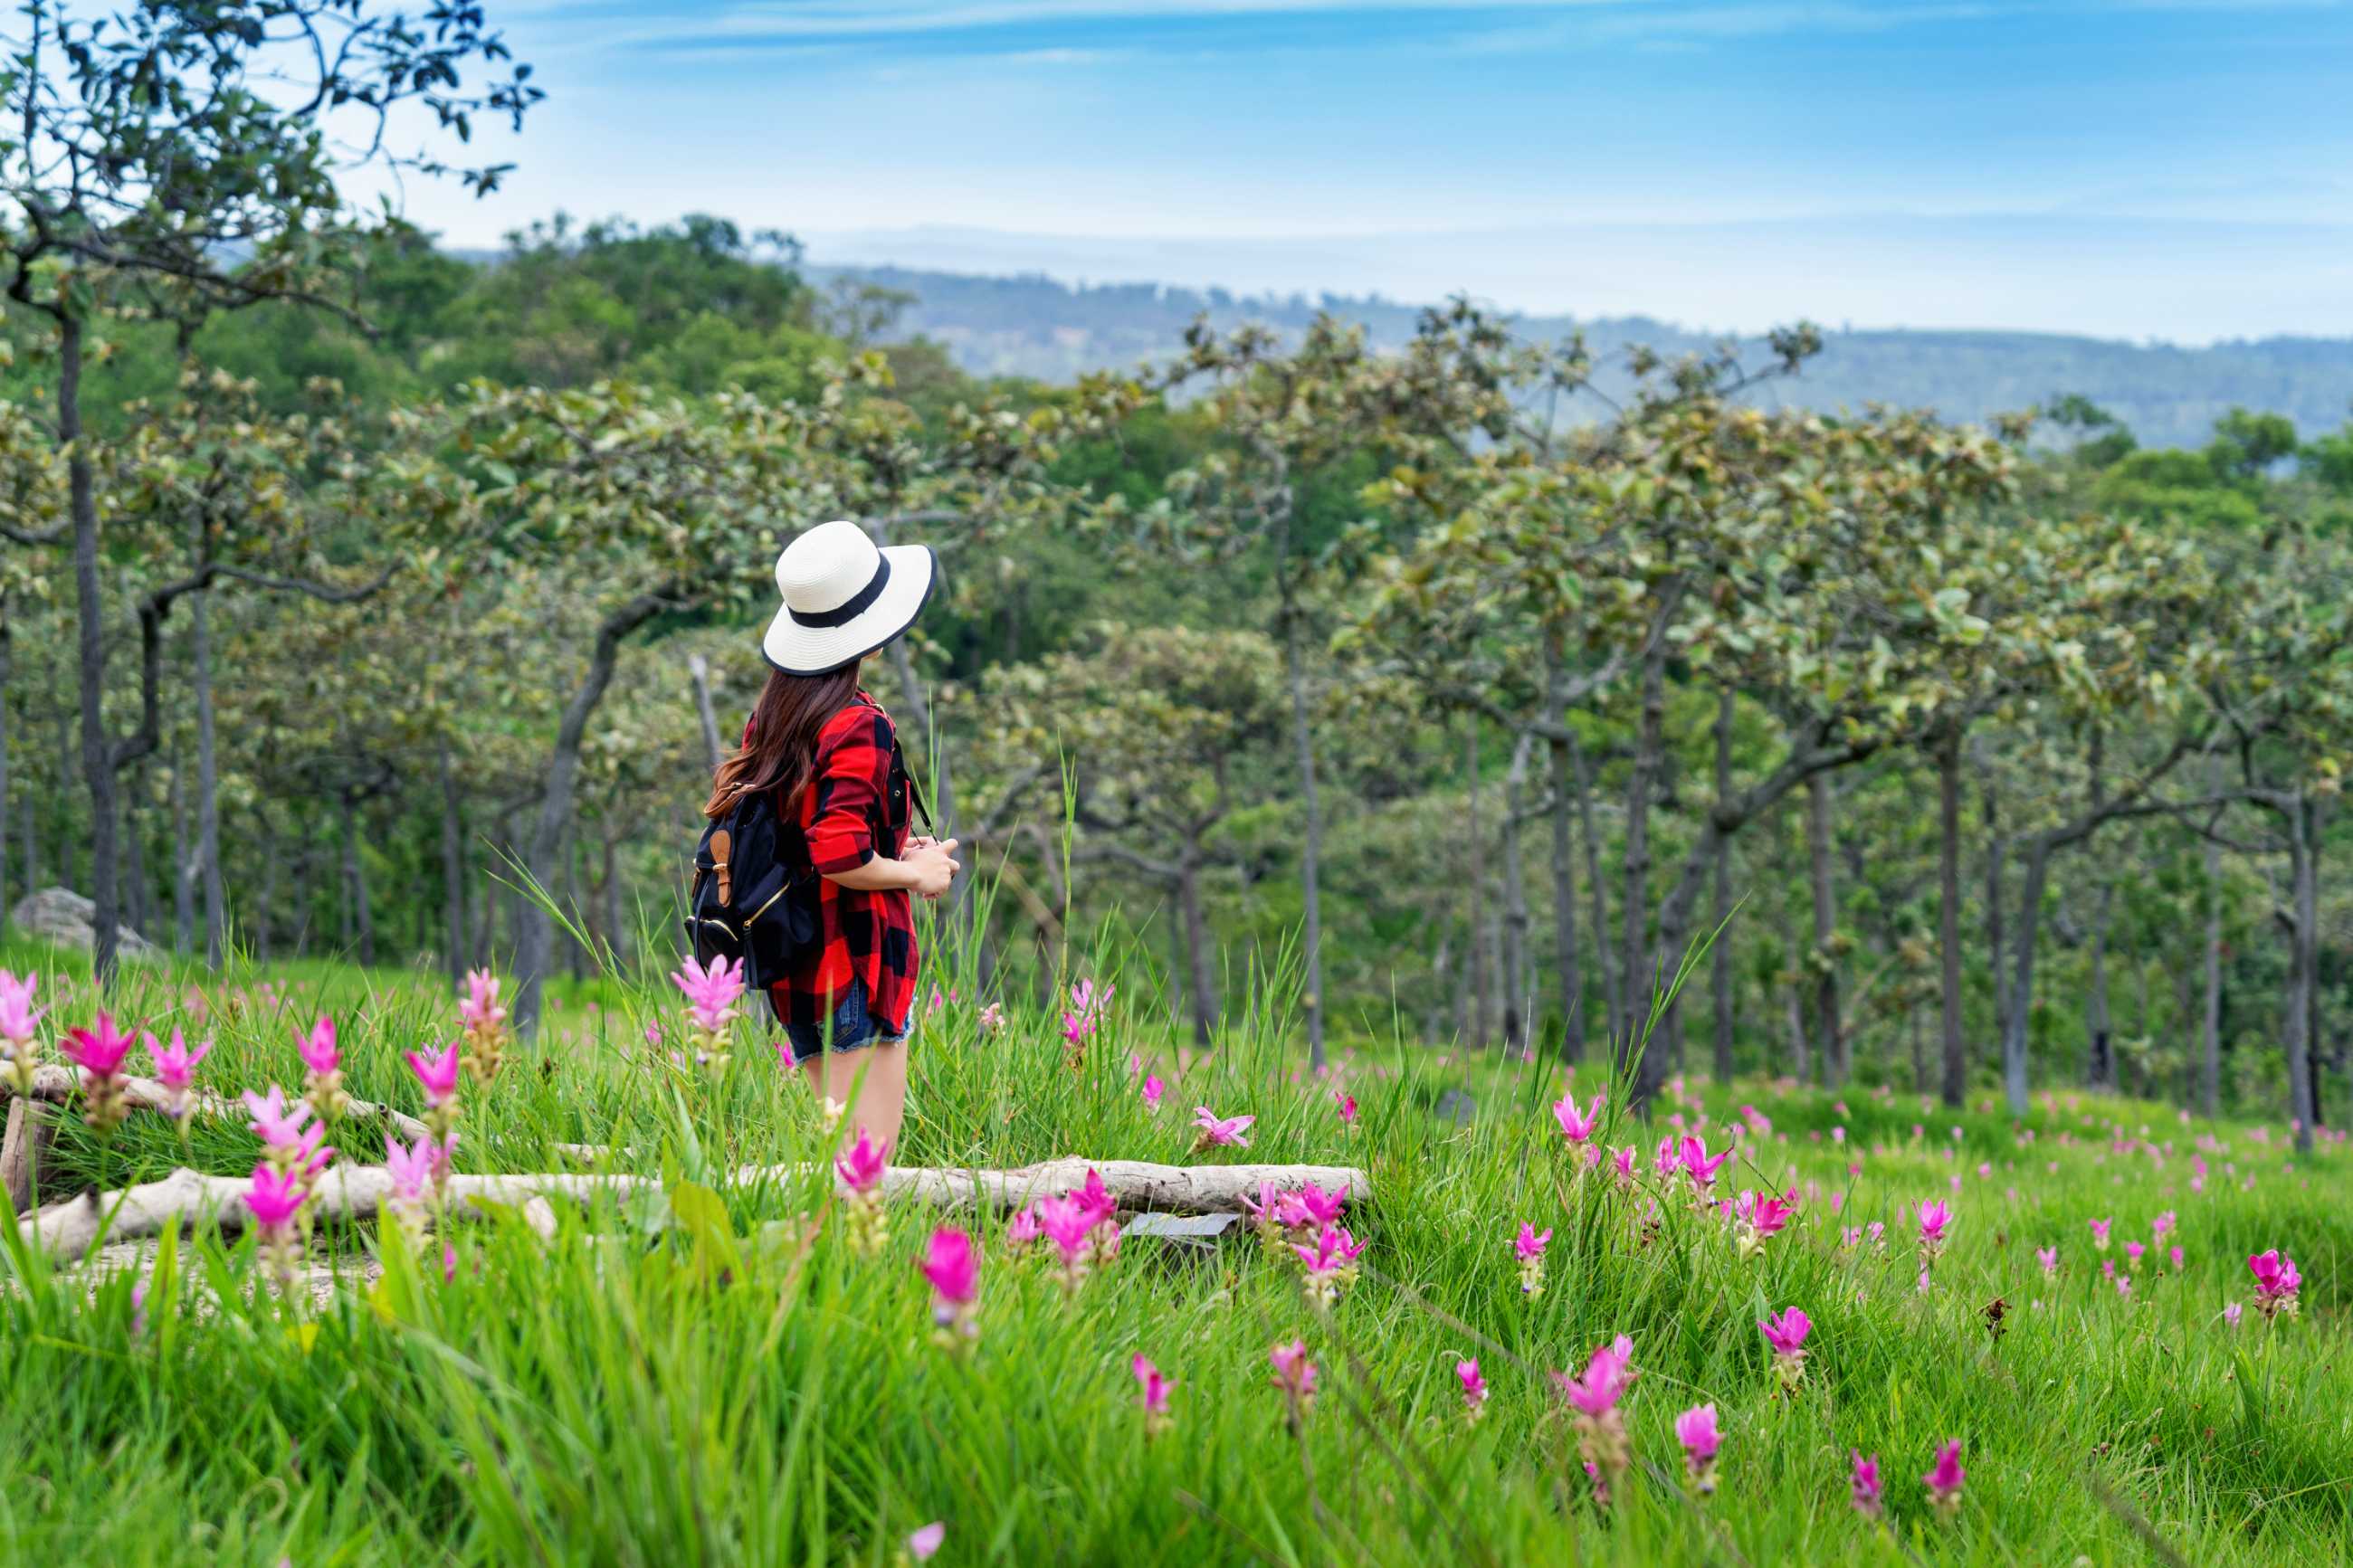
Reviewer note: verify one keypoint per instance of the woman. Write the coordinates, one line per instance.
(819, 740)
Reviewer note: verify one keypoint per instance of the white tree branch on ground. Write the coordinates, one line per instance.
(69, 1230)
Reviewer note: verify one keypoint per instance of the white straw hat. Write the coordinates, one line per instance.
(843, 597)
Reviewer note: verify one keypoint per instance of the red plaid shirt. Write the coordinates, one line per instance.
(849, 813)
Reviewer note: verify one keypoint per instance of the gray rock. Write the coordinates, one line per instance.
(1181, 1226)
(1458, 1107)
(64, 917)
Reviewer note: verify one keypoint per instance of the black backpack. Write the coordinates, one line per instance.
(754, 896)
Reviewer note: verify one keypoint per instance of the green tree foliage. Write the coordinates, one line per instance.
(1302, 612)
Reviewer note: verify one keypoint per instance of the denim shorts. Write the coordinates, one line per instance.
(854, 1027)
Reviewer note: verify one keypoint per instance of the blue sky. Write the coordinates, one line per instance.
(1964, 161)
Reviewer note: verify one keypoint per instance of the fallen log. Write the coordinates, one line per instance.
(58, 1085)
(357, 1192)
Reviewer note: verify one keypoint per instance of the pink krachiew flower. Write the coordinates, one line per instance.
(711, 991)
(1866, 1490)
(1153, 1391)
(1311, 1205)
(861, 1167)
(1474, 1387)
(275, 1122)
(272, 1198)
(1293, 1372)
(1944, 1478)
(1222, 1131)
(175, 1070)
(1696, 1430)
(1331, 1263)
(1787, 1333)
(1153, 1090)
(412, 1167)
(18, 1016)
(1606, 1376)
(1935, 1218)
(175, 1064)
(1069, 1223)
(2277, 1281)
(1577, 1125)
(19, 1054)
(479, 1013)
(98, 1052)
(924, 1544)
(436, 1075)
(1700, 1166)
(952, 1263)
(1531, 1243)
(318, 1049)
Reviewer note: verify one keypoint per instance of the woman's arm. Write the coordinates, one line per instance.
(928, 868)
(853, 773)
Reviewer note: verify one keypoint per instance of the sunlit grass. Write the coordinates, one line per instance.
(685, 1382)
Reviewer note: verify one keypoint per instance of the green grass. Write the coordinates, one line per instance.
(731, 1388)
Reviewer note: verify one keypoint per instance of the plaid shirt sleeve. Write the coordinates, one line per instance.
(853, 773)
(868, 937)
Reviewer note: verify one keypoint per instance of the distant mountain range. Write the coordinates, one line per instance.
(1033, 325)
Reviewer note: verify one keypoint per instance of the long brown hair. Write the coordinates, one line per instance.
(780, 749)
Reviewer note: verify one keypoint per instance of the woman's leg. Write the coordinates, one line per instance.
(872, 1080)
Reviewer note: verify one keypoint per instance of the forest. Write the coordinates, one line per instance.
(2002, 755)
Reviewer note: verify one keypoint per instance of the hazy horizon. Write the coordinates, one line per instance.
(2133, 168)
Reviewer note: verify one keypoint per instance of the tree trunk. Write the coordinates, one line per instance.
(1830, 1037)
(1567, 973)
(1721, 977)
(89, 608)
(1589, 837)
(453, 868)
(183, 863)
(1997, 850)
(698, 673)
(1516, 991)
(614, 934)
(535, 932)
(208, 849)
(1649, 743)
(138, 890)
(1801, 1068)
(2015, 1085)
(1955, 1076)
(574, 958)
(361, 918)
(69, 755)
(2100, 1060)
(1311, 856)
(265, 917)
(1474, 892)
(2304, 968)
(1197, 940)
(1432, 1028)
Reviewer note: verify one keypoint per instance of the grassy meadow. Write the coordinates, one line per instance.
(716, 1372)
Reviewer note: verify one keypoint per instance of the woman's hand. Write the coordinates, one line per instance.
(931, 864)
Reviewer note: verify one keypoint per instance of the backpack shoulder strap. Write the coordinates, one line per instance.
(914, 786)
